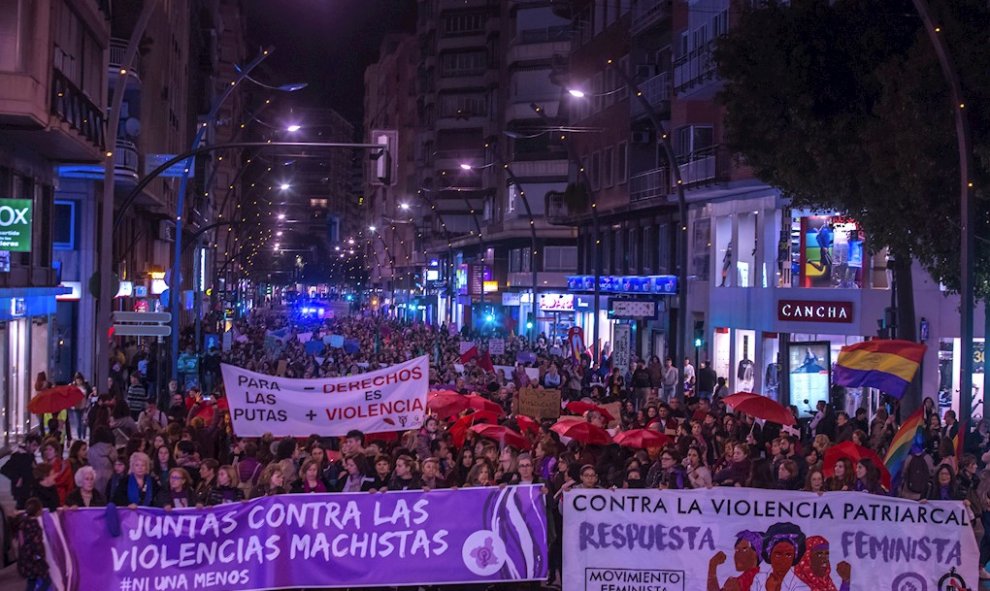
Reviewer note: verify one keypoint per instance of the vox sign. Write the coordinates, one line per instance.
(15, 225)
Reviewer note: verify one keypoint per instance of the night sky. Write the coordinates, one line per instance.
(327, 43)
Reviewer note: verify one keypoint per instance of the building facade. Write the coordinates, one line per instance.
(53, 88)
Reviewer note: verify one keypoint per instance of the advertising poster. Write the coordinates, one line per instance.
(810, 373)
(737, 538)
(441, 537)
(620, 346)
(832, 252)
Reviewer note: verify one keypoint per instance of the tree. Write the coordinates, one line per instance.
(841, 105)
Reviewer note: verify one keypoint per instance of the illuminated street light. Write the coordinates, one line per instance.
(285, 186)
(372, 228)
(279, 233)
(576, 93)
(293, 128)
(281, 216)
(405, 206)
(350, 241)
(466, 166)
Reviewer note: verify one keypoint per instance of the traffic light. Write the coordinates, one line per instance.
(699, 334)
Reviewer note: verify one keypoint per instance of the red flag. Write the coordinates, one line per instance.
(485, 363)
(959, 441)
(469, 354)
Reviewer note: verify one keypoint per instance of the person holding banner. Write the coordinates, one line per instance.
(139, 489)
(177, 491)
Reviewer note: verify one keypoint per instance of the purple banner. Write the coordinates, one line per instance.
(439, 537)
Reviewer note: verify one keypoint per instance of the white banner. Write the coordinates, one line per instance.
(758, 540)
(620, 346)
(390, 399)
(496, 346)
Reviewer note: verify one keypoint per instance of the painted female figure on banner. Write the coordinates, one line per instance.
(783, 548)
(815, 567)
(746, 559)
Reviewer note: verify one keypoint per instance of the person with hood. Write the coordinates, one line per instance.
(815, 569)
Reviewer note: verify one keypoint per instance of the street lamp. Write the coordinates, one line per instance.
(284, 187)
(293, 128)
(372, 229)
(576, 93)
(404, 206)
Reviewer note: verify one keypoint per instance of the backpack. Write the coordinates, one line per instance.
(917, 475)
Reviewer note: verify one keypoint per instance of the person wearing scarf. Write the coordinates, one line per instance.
(749, 546)
(814, 569)
(140, 487)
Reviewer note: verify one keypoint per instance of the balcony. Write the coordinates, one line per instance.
(126, 162)
(694, 69)
(73, 107)
(657, 91)
(647, 13)
(705, 166)
(118, 47)
(652, 184)
(540, 168)
(536, 51)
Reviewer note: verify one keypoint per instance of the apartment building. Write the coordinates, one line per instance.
(53, 88)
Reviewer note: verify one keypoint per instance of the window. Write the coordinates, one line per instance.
(632, 250)
(560, 259)
(465, 23)
(702, 243)
(692, 139)
(76, 52)
(65, 225)
(596, 91)
(649, 250)
(463, 105)
(596, 171)
(664, 250)
(621, 166)
(618, 253)
(608, 167)
(12, 21)
(463, 63)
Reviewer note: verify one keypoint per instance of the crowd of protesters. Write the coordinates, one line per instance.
(178, 449)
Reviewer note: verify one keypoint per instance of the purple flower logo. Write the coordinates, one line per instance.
(484, 556)
(483, 553)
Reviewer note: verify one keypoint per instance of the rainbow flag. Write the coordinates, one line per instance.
(903, 440)
(888, 365)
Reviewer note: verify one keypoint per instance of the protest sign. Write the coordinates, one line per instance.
(539, 404)
(685, 539)
(390, 399)
(496, 346)
(472, 535)
(614, 409)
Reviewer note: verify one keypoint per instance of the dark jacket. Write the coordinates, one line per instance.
(224, 494)
(122, 498)
(74, 499)
(48, 495)
(18, 470)
(166, 497)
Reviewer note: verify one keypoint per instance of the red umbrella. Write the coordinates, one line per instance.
(478, 403)
(446, 403)
(57, 399)
(459, 429)
(503, 435)
(854, 453)
(642, 438)
(579, 408)
(760, 407)
(583, 432)
(527, 424)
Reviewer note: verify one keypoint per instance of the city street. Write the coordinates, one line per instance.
(589, 295)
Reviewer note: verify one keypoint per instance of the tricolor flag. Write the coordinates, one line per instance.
(888, 365)
(902, 443)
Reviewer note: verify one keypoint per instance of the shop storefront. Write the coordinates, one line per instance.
(25, 348)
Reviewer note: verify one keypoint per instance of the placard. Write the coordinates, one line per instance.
(539, 404)
(389, 399)
(496, 346)
(621, 334)
(743, 538)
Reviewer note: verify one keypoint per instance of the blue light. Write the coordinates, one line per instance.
(490, 318)
(529, 325)
(349, 298)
